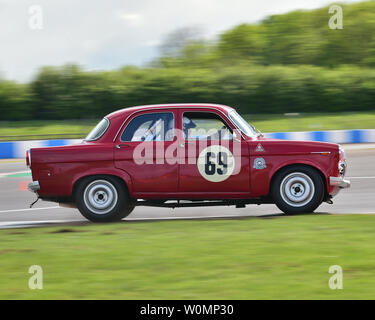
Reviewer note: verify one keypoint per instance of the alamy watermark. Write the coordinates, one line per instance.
(36, 280)
(216, 154)
(36, 21)
(336, 281)
(336, 21)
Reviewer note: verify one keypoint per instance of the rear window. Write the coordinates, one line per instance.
(98, 131)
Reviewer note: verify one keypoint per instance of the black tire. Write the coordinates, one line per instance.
(103, 199)
(298, 189)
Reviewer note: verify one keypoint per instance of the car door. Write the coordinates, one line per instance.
(216, 157)
(140, 151)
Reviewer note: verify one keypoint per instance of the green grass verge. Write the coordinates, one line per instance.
(284, 257)
(264, 122)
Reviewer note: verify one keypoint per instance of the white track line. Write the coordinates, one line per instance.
(28, 224)
(189, 218)
(33, 222)
(28, 209)
(360, 177)
(12, 173)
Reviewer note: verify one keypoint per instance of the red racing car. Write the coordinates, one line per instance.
(184, 155)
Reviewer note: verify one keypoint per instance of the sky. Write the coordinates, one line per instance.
(108, 34)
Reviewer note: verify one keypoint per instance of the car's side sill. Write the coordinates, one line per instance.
(200, 203)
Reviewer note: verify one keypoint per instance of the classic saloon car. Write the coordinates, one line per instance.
(184, 155)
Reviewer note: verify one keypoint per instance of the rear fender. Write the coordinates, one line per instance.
(123, 175)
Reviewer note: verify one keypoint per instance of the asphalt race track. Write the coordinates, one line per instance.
(15, 199)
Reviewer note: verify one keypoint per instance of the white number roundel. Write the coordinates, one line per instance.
(216, 163)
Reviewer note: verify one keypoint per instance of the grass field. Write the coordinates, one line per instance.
(285, 257)
(264, 122)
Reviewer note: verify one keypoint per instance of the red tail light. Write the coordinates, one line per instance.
(28, 158)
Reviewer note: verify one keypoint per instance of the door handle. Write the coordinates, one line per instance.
(119, 146)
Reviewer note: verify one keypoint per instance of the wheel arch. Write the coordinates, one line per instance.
(122, 177)
(299, 164)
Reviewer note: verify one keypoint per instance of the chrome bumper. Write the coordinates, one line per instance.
(33, 186)
(339, 182)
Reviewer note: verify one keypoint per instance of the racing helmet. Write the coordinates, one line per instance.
(186, 125)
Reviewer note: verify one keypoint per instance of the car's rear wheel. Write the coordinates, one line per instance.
(103, 199)
(298, 189)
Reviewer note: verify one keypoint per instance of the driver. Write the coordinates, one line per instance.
(154, 131)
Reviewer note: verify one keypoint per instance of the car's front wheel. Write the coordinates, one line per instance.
(103, 199)
(298, 189)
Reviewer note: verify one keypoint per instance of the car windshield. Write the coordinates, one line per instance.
(240, 123)
(98, 131)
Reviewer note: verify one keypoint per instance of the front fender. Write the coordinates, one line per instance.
(261, 179)
(300, 161)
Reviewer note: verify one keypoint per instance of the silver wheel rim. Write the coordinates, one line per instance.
(297, 189)
(100, 196)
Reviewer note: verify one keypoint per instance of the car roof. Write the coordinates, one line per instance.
(129, 110)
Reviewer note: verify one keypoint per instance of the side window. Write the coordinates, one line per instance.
(150, 127)
(205, 125)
